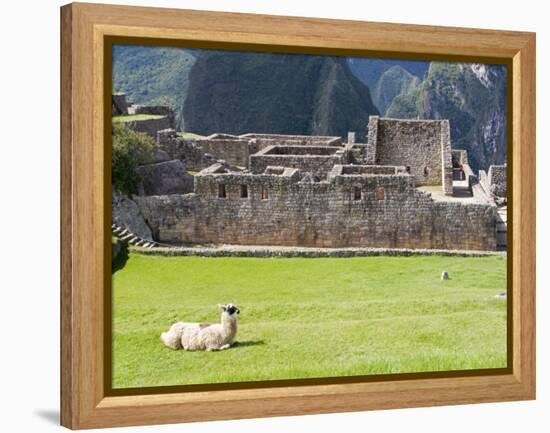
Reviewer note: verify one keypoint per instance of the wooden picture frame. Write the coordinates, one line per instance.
(85, 218)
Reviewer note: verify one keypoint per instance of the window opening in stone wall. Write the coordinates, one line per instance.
(221, 190)
(381, 193)
(426, 171)
(244, 191)
(357, 193)
(265, 195)
(408, 169)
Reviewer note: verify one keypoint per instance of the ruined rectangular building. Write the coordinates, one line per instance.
(404, 188)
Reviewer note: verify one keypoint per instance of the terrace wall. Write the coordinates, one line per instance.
(149, 126)
(282, 210)
(160, 110)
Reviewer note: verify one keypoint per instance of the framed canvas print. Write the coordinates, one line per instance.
(268, 216)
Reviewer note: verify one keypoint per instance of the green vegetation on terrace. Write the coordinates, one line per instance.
(190, 135)
(130, 148)
(135, 117)
(303, 317)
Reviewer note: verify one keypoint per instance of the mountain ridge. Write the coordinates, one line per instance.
(473, 98)
(152, 75)
(275, 93)
(393, 82)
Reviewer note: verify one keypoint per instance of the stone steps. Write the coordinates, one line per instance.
(127, 236)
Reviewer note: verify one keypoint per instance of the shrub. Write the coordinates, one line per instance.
(129, 149)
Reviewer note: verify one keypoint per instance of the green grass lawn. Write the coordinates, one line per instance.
(134, 117)
(303, 317)
(190, 135)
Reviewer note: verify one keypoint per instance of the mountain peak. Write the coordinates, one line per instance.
(242, 92)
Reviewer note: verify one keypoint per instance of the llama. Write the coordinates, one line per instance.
(204, 336)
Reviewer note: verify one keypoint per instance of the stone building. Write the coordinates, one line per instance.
(404, 188)
(423, 146)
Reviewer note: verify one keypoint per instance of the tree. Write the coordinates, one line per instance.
(129, 150)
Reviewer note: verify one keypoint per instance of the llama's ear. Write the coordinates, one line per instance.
(223, 307)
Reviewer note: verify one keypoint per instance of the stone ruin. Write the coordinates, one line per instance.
(494, 181)
(164, 116)
(404, 188)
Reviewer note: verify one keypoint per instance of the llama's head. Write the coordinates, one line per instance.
(230, 309)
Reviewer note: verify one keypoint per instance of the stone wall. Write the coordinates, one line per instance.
(497, 180)
(366, 169)
(149, 126)
(171, 218)
(233, 150)
(446, 158)
(345, 211)
(188, 151)
(318, 160)
(198, 154)
(236, 149)
(422, 145)
(494, 182)
(358, 154)
(264, 140)
(159, 110)
(372, 139)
